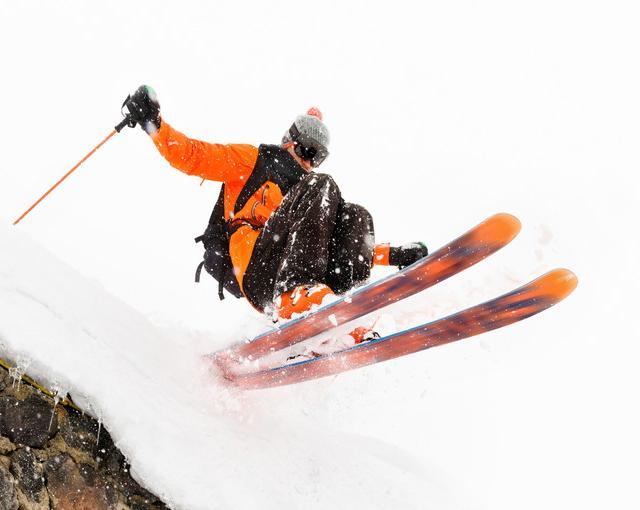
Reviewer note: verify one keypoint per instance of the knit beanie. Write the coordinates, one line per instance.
(311, 126)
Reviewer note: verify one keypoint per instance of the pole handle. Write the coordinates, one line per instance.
(128, 119)
(125, 122)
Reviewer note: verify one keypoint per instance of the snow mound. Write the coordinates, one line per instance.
(195, 443)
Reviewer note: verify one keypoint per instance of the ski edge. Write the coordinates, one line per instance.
(500, 228)
(547, 290)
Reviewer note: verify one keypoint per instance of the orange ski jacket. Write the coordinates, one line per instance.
(232, 165)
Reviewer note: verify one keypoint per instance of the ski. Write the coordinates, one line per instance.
(517, 305)
(465, 251)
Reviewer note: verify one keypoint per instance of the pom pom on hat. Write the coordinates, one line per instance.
(315, 112)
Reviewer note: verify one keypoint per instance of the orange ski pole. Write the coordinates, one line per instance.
(117, 129)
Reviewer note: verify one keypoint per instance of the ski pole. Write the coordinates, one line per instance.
(127, 121)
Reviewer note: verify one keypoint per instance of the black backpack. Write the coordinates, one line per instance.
(274, 164)
(217, 260)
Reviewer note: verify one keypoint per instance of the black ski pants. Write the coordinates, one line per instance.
(313, 237)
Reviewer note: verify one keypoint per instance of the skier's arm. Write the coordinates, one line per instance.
(212, 161)
(216, 162)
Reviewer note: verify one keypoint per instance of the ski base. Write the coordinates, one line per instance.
(514, 306)
(465, 251)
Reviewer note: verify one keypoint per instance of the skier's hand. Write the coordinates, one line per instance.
(144, 108)
(408, 254)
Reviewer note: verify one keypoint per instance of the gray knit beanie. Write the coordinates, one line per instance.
(310, 125)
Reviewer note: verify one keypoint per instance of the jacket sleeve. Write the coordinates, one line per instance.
(212, 161)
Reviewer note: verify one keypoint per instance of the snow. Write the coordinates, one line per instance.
(440, 115)
(188, 438)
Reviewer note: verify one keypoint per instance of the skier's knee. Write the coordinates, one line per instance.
(358, 214)
(322, 182)
(358, 221)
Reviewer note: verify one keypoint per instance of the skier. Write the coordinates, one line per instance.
(280, 235)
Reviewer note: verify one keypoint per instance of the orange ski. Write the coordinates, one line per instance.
(467, 250)
(519, 304)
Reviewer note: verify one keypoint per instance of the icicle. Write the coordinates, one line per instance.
(19, 370)
(56, 399)
(99, 430)
(59, 393)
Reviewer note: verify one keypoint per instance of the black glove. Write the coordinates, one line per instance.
(406, 255)
(144, 108)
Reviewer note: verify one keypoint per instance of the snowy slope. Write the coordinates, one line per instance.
(188, 439)
(441, 114)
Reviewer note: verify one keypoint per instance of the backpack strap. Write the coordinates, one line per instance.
(221, 275)
(199, 270)
(220, 278)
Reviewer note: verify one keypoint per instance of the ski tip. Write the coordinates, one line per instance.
(559, 282)
(503, 227)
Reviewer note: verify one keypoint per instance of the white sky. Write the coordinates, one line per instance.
(441, 113)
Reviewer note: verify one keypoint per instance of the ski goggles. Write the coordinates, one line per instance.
(307, 148)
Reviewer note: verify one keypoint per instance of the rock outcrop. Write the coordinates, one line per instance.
(55, 457)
